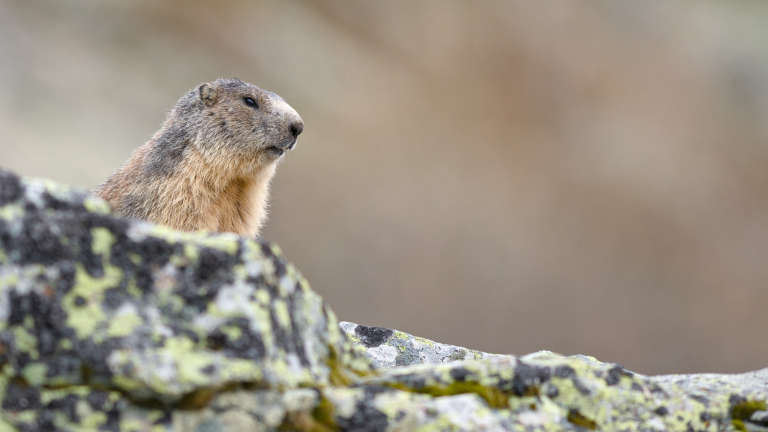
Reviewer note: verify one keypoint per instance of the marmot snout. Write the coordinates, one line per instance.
(210, 164)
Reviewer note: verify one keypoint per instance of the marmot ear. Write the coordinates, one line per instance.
(209, 94)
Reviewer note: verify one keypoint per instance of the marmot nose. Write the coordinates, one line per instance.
(297, 127)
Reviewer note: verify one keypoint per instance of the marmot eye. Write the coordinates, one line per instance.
(250, 102)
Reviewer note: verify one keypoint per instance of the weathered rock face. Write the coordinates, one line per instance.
(140, 313)
(547, 391)
(111, 324)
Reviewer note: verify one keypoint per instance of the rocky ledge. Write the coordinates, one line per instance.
(120, 325)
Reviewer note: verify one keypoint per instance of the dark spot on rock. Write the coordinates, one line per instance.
(662, 411)
(459, 374)
(280, 333)
(64, 364)
(637, 387)
(578, 419)
(759, 418)
(208, 370)
(580, 386)
(297, 337)
(80, 301)
(504, 384)
(10, 188)
(211, 264)
(46, 341)
(655, 388)
(37, 243)
(200, 283)
(165, 419)
(95, 356)
(365, 417)
(27, 427)
(152, 252)
(248, 344)
(615, 373)
(552, 392)
(114, 297)
(22, 359)
(67, 404)
(734, 399)
(280, 268)
(178, 329)
(53, 203)
(528, 378)
(704, 417)
(20, 397)
(266, 249)
(564, 371)
(46, 315)
(45, 422)
(223, 123)
(7, 346)
(5, 235)
(373, 336)
(701, 399)
(413, 381)
(20, 306)
(113, 420)
(258, 281)
(66, 279)
(155, 251)
(216, 340)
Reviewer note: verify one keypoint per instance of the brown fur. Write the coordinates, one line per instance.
(210, 165)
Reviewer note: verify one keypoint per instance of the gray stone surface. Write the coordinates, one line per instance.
(389, 348)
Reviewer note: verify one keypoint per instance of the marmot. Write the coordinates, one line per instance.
(210, 164)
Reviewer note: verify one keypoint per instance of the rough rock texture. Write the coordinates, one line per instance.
(145, 316)
(388, 348)
(111, 324)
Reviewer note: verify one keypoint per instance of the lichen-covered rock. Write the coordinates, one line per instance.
(547, 391)
(118, 325)
(389, 348)
(88, 300)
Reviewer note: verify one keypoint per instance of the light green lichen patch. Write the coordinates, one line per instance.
(102, 241)
(84, 300)
(126, 320)
(34, 374)
(96, 205)
(11, 212)
(282, 314)
(224, 242)
(25, 341)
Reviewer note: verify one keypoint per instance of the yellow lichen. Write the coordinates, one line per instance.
(575, 417)
(743, 411)
(494, 397)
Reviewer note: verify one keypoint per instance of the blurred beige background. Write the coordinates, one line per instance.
(586, 177)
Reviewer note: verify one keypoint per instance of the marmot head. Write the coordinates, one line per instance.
(239, 124)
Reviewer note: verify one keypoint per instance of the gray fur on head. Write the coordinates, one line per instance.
(216, 118)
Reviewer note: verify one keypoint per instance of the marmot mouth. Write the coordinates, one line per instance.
(275, 150)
